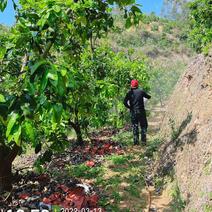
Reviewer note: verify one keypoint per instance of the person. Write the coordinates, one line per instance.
(134, 101)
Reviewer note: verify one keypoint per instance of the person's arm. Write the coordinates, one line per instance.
(126, 99)
(145, 95)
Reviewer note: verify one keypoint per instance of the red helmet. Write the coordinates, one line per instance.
(134, 83)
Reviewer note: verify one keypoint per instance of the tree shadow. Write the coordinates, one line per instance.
(177, 141)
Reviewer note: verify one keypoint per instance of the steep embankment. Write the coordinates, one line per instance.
(187, 129)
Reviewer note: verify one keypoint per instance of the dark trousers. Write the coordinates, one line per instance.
(139, 118)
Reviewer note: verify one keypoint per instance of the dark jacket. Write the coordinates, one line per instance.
(134, 100)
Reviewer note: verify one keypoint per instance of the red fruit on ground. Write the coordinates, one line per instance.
(93, 200)
(106, 146)
(87, 149)
(90, 163)
(101, 152)
(46, 200)
(23, 196)
(77, 196)
(63, 188)
(55, 196)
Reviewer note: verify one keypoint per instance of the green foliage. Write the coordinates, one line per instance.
(119, 160)
(201, 24)
(3, 4)
(83, 171)
(53, 76)
(207, 207)
(133, 191)
(124, 137)
(178, 204)
(153, 146)
(154, 27)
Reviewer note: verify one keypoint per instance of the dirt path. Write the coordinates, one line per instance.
(158, 202)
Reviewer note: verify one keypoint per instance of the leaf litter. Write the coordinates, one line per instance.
(42, 191)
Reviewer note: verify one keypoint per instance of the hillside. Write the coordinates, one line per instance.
(163, 43)
(187, 131)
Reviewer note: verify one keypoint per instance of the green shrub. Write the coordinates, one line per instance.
(201, 24)
(154, 27)
(84, 171)
(178, 204)
(119, 159)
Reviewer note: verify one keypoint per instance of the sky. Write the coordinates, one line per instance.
(148, 6)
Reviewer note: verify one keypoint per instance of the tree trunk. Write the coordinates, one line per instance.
(5, 176)
(78, 131)
(7, 156)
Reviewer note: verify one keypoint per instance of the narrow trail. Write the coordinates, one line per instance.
(157, 202)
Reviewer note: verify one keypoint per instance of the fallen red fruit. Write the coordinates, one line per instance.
(77, 196)
(46, 200)
(92, 200)
(101, 152)
(107, 146)
(55, 196)
(63, 188)
(90, 163)
(23, 196)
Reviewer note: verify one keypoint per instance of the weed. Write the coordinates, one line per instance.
(124, 137)
(119, 159)
(84, 171)
(178, 204)
(113, 182)
(207, 207)
(133, 191)
(152, 147)
(154, 27)
(116, 196)
(207, 167)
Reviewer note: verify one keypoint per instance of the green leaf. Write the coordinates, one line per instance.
(52, 76)
(29, 130)
(43, 20)
(3, 5)
(56, 8)
(44, 81)
(2, 99)
(11, 123)
(37, 65)
(135, 9)
(63, 72)
(16, 136)
(2, 52)
(31, 88)
(128, 23)
(57, 112)
(61, 87)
